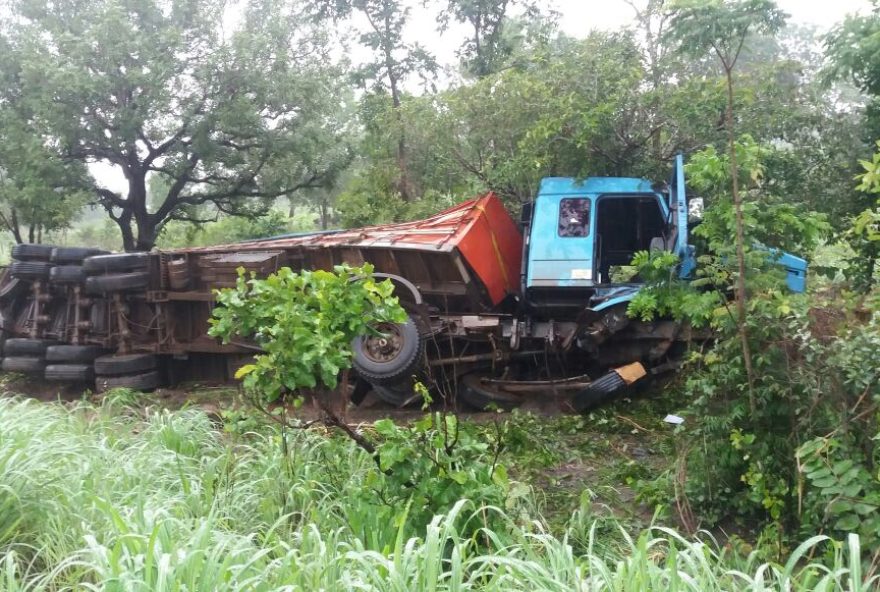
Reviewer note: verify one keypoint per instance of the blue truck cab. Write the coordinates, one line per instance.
(581, 237)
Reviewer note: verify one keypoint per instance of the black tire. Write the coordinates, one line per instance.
(139, 382)
(32, 252)
(67, 274)
(117, 262)
(117, 282)
(125, 364)
(12, 288)
(25, 365)
(380, 365)
(600, 391)
(74, 353)
(70, 372)
(30, 270)
(73, 255)
(482, 396)
(397, 395)
(26, 347)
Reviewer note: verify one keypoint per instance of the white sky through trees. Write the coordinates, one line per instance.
(611, 14)
(576, 18)
(579, 17)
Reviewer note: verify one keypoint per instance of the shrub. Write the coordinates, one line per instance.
(793, 448)
(304, 322)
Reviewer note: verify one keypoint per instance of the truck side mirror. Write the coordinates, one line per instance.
(695, 210)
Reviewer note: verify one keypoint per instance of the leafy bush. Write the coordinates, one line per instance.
(669, 296)
(863, 236)
(805, 457)
(792, 449)
(304, 322)
(432, 463)
(840, 466)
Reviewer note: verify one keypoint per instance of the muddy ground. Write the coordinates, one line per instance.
(214, 397)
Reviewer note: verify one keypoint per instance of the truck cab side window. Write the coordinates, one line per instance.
(574, 217)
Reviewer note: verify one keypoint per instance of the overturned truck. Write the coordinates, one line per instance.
(499, 311)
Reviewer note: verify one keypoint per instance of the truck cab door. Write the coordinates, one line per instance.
(678, 213)
(561, 242)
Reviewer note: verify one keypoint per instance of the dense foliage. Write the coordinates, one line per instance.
(304, 324)
(39, 192)
(640, 103)
(193, 116)
(265, 111)
(799, 451)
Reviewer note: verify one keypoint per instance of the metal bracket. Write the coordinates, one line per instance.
(157, 296)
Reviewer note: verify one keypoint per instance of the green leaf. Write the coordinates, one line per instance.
(848, 523)
(244, 371)
(305, 323)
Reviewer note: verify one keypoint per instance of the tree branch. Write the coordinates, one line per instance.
(111, 197)
(164, 147)
(172, 198)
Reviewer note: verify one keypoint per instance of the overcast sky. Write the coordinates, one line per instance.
(578, 17)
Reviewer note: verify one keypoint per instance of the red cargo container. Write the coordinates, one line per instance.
(480, 233)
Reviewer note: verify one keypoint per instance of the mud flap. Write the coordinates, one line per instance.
(603, 388)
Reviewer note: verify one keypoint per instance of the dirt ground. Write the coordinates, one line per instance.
(216, 397)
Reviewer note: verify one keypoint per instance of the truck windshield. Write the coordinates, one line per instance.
(574, 217)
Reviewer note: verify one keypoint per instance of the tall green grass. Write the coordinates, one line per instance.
(109, 499)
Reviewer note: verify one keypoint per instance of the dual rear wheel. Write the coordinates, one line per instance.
(81, 364)
(135, 371)
(389, 358)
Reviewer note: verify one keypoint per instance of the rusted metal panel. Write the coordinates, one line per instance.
(492, 245)
(234, 260)
(426, 252)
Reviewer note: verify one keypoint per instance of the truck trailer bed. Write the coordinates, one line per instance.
(464, 259)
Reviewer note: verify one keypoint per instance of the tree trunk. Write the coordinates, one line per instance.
(146, 226)
(124, 223)
(740, 245)
(147, 233)
(404, 185)
(14, 227)
(323, 210)
(481, 69)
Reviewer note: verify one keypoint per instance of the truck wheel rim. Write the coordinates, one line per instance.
(386, 345)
